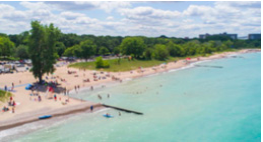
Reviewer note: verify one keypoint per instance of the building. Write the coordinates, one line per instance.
(204, 36)
(233, 36)
(254, 36)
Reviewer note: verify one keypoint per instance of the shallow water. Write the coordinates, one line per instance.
(194, 104)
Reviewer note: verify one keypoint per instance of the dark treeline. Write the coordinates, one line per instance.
(140, 47)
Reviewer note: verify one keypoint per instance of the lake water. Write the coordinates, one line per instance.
(194, 104)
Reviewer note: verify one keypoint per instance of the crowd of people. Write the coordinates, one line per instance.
(12, 104)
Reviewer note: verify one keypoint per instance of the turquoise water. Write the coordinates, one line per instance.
(194, 104)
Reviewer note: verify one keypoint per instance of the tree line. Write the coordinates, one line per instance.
(43, 44)
(86, 46)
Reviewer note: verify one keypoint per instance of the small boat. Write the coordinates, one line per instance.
(107, 115)
(45, 117)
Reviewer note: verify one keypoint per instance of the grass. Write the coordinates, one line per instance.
(4, 95)
(126, 65)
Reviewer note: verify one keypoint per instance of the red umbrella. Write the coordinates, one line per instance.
(188, 58)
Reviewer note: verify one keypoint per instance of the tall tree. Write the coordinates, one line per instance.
(42, 48)
(133, 46)
(22, 52)
(161, 52)
(88, 49)
(103, 51)
(6, 46)
(69, 52)
(60, 48)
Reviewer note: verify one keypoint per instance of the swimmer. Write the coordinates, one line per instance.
(99, 96)
(91, 108)
(119, 113)
(108, 95)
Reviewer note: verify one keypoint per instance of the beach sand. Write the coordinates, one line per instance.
(28, 109)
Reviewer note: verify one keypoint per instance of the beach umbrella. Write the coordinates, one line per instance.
(188, 58)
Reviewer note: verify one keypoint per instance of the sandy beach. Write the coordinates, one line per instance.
(28, 108)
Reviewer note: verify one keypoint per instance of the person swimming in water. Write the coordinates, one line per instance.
(99, 97)
(91, 108)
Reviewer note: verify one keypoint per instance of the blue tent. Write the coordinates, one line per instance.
(29, 86)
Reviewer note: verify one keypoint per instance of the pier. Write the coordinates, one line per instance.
(122, 109)
(208, 66)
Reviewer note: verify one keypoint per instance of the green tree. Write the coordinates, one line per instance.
(6, 46)
(100, 63)
(70, 52)
(88, 49)
(229, 43)
(22, 52)
(161, 53)
(117, 50)
(42, 48)
(148, 53)
(60, 48)
(133, 46)
(69, 39)
(103, 51)
(174, 49)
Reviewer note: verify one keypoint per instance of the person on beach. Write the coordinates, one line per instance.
(5, 88)
(5, 109)
(13, 109)
(91, 108)
(91, 88)
(39, 98)
(14, 103)
(108, 95)
(55, 97)
(13, 86)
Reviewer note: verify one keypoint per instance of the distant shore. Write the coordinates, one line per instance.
(29, 109)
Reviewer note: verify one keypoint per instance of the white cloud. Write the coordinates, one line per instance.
(239, 4)
(107, 6)
(35, 5)
(148, 12)
(110, 18)
(5, 7)
(72, 17)
(196, 10)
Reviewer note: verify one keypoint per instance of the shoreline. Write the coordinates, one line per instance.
(25, 119)
(80, 106)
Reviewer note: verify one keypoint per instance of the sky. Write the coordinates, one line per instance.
(144, 18)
